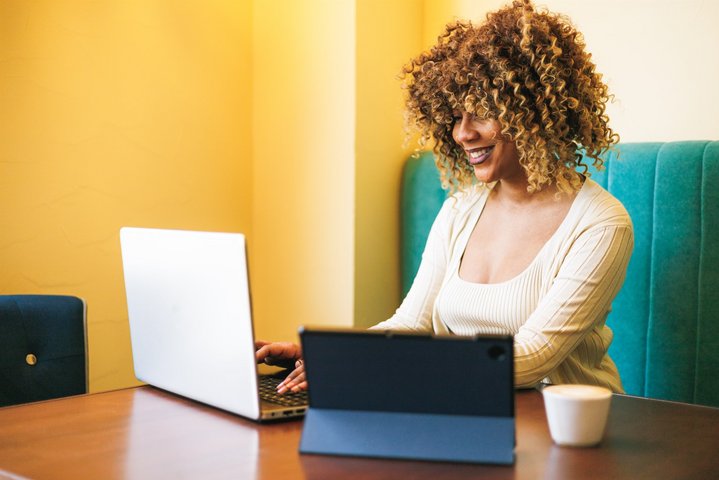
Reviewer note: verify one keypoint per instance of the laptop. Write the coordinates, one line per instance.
(188, 301)
(411, 396)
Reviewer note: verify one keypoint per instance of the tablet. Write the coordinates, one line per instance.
(408, 395)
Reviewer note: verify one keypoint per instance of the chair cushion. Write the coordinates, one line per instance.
(666, 317)
(50, 328)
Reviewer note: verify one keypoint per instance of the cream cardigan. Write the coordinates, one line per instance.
(555, 308)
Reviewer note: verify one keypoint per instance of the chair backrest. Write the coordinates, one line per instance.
(666, 317)
(421, 198)
(43, 352)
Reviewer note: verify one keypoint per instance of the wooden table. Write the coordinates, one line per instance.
(145, 433)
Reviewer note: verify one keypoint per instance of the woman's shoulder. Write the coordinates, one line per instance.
(469, 195)
(599, 207)
(466, 199)
(459, 207)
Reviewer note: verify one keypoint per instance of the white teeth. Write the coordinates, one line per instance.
(480, 152)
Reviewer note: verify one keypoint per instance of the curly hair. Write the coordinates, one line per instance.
(528, 70)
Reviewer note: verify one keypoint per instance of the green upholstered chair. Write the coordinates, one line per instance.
(42, 348)
(666, 317)
(421, 198)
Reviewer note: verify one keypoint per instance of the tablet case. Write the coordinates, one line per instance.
(412, 396)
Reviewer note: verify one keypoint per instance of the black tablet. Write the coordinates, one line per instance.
(409, 395)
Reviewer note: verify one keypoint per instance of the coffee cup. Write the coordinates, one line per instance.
(577, 414)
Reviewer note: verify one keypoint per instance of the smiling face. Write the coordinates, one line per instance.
(492, 158)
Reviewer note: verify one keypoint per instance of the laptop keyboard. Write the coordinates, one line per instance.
(268, 392)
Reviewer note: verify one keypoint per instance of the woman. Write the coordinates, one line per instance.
(527, 244)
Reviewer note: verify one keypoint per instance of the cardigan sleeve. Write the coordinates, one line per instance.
(576, 304)
(415, 312)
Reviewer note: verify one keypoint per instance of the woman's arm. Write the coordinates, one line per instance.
(415, 312)
(587, 282)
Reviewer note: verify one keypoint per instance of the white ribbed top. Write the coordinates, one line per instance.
(470, 308)
(555, 308)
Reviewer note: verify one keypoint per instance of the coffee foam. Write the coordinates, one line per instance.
(585, 392)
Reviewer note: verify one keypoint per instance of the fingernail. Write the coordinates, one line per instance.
(295, 389)
(282, 390)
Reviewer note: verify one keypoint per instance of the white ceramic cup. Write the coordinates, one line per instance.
(577, 414)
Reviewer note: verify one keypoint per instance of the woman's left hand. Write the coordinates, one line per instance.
(296, 381)
(286, 355)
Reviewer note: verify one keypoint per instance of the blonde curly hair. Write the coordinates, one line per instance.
(527, 69)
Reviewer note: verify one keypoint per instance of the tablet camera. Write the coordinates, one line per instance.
(497, 352)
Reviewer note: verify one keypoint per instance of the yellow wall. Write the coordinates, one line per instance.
(117, 113)
(244, 116)
(302, 268)
(437, 13)
(658, 58)
(384, 43)
(328, 151)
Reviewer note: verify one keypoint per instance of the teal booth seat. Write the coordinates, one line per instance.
(666, 317)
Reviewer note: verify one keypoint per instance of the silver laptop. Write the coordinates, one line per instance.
(188, 300)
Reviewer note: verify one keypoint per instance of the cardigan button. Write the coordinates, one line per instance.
(30, 359)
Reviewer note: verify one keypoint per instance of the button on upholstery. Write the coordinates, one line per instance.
(30, 359)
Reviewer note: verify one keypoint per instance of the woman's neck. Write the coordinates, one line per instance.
(515, 192)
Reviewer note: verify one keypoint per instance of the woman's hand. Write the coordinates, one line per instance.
(286, 355)
(295, 381)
